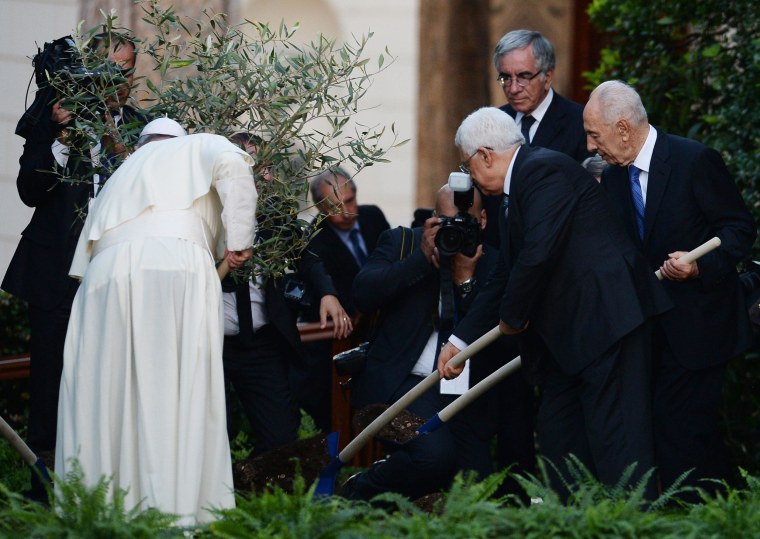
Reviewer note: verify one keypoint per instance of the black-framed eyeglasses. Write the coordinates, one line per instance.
(523, 79)
(464, 166)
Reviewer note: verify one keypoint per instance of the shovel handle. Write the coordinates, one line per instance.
(410, 396)
(479, 389)
(17, 443)
(691, 256)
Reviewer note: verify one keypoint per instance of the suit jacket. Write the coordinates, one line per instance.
(691, 197)
(561, 128)
(39, 269)
(340, 264)
(567, 267)
(399, 280)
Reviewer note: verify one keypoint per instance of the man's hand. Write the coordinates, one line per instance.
(444, 369)
(463, 267)
(329, 306)
(509, 330)
(428, 240)
(62, 117)
(235, 259)
(674, 269)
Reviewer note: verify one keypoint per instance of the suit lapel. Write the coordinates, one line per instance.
(659, 173)
(344, 256)
(617, 185)
(550, 124)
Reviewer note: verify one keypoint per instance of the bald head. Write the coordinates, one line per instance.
(445, 206)
(616, 122)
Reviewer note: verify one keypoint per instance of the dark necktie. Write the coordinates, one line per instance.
(359, 254)
(245, 317)
(525, 126)
(638, 198)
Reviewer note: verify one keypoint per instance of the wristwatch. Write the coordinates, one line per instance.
(466, 286)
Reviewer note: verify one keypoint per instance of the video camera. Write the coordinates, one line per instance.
(461, 233)
(60, 58)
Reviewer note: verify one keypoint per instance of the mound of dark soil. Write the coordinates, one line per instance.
(400, 430)
(278, 467)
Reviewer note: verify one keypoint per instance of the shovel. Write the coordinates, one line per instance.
(27, 454)
(326, 483)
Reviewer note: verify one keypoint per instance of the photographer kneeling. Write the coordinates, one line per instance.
(422, 280)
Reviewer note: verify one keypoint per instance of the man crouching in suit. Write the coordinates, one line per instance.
(573, 286)
(419, 292)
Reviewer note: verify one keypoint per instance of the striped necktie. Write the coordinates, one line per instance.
(638, 198)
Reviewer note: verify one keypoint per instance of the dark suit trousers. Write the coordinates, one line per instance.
(686, 431)
(421, 466)
(311, 383)
(258, 373)
(48, 335)
(602, 415)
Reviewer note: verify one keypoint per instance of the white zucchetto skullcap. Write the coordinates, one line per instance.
(163, 126)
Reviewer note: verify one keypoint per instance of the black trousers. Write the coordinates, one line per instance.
(686, 427)
(603, 414)
(311, 383)
(419, 467)
(48, 335)
(258, 372)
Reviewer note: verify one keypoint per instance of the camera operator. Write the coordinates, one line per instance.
(38, 272)
(420, 290)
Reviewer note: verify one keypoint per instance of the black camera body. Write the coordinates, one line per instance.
(458, 234)
(461, 233)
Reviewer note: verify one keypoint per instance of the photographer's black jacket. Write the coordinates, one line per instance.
(39, 270)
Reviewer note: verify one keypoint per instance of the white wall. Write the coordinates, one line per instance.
(24, 24)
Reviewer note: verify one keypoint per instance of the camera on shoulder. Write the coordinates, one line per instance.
(461, 233)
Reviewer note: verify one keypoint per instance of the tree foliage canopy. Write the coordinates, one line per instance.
(302, 100)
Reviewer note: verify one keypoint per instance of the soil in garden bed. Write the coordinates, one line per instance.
(402, 429)
(278, 467)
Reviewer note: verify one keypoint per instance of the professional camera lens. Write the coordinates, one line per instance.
(449, 240)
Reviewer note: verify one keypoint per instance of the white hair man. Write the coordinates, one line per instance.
(673, 194)
(571, 284)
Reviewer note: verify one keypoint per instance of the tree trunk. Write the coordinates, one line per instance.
(455, 58)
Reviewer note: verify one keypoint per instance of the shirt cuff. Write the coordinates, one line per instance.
(456, 341)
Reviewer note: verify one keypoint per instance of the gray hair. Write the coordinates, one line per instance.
(617, 100)
(329, 176)
(543, 51)
(595, 165)
(489, 127)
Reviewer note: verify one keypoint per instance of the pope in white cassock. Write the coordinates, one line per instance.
(142, 393)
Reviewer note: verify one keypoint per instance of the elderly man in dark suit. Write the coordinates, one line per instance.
(347, 235)
(39, 270)
(573, 286)
(672, 194)
(524, 60)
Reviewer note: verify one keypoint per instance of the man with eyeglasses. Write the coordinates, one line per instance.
(572, 286)
(524, 61)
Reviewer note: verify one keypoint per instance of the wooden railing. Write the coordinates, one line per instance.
(14, 367)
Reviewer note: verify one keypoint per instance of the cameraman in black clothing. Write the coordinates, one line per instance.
(38, 272)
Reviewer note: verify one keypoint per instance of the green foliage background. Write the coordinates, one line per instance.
(696, 65)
